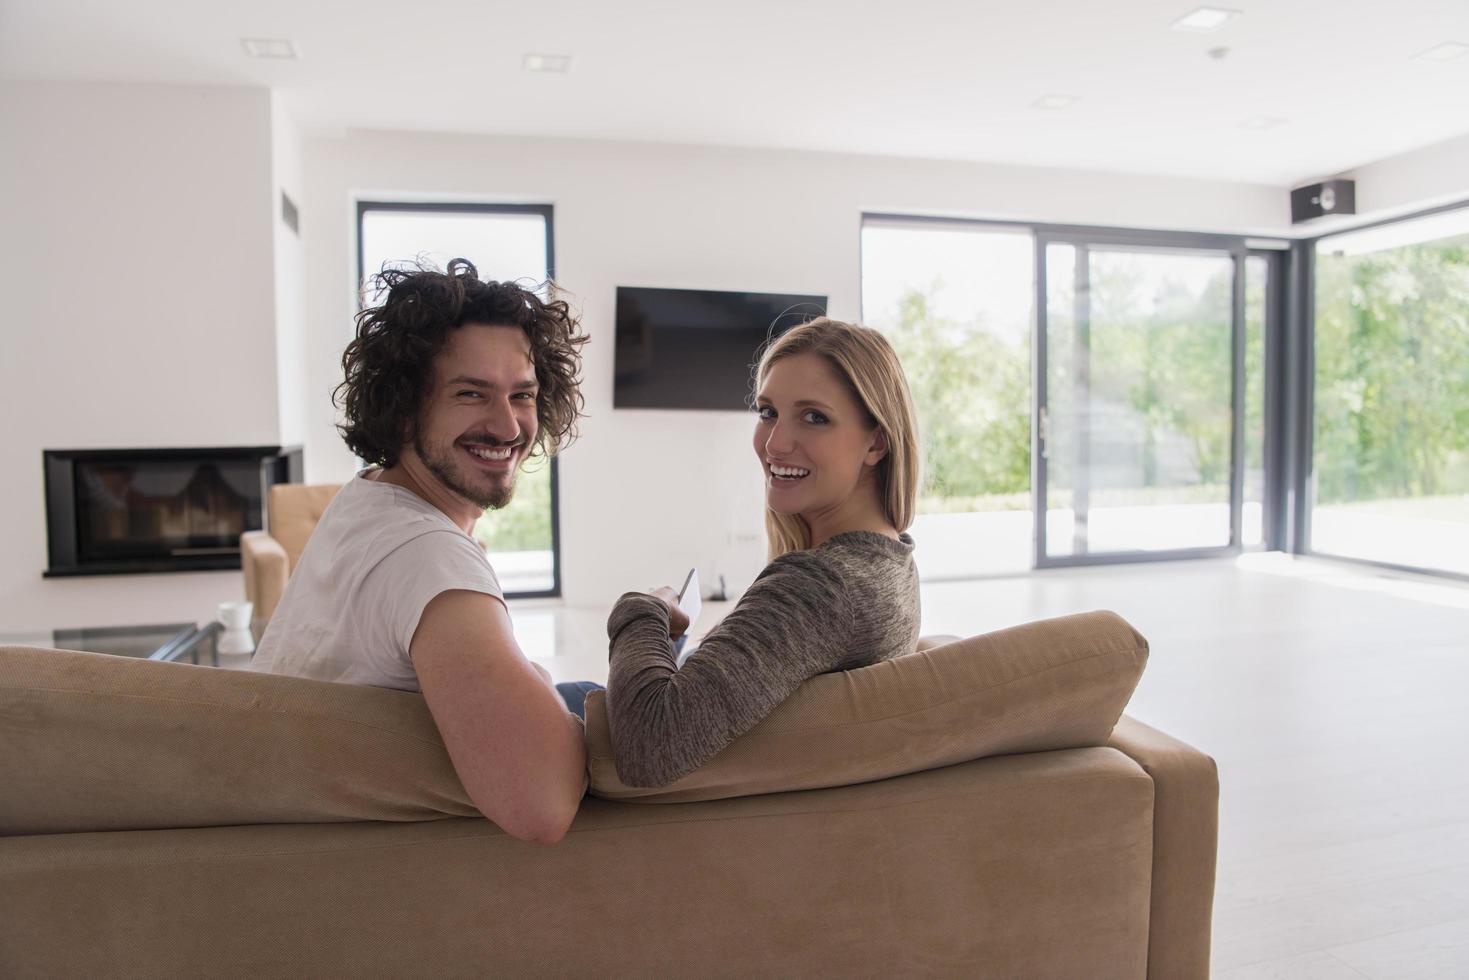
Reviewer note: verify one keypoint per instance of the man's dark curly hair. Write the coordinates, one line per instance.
(388, 366)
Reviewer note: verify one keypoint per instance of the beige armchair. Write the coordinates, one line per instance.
(268, 557)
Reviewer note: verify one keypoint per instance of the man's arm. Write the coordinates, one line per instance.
(518, 751)
(545, 675)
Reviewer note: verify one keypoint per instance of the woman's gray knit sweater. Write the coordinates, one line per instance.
(850, 602)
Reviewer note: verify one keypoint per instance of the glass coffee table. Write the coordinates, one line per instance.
(163, 641)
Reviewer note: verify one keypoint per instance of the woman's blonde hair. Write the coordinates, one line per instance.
(863, 358)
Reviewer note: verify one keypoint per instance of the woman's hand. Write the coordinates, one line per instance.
(678, 620)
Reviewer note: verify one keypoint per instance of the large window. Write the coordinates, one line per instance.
(956, 303)
(1391, 433)
(509, 242)
(1111, 380)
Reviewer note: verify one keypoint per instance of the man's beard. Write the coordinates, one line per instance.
(443, 465)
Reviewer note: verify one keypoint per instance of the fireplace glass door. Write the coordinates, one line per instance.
(140, 511)
(151, 509)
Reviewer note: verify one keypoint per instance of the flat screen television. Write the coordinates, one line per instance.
(696, 348)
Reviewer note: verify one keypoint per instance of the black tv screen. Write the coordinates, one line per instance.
(695, 348)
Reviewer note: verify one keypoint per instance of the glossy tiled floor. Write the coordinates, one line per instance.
(1336, 702)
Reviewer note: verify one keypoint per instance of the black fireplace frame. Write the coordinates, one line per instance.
(278, 464)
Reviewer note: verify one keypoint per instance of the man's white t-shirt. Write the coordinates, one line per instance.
(377, 557)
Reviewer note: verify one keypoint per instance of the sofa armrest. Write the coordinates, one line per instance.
(1185, 848)
(266, 569)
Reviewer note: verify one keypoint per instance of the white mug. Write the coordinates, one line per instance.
(235, 615)
(235, 642)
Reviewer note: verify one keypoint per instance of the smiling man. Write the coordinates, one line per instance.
(451, 385)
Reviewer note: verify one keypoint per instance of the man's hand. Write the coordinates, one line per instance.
(678, 620)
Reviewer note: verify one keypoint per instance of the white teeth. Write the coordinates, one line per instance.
(789, 472)
(491, 453)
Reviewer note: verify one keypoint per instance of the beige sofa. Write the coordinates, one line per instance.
(968, 810)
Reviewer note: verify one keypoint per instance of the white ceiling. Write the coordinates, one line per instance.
(921, 78)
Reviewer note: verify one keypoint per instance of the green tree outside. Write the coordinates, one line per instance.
(1392, 380)
(971, 390)
(1169, 366)
(524, 524)
(1392, 373)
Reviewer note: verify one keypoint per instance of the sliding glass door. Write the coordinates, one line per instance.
(1084, 395)
(1140, 409)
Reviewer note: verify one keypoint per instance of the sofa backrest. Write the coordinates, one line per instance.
(1055, 684)
(90, 742)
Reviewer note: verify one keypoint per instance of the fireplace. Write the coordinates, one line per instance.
(122, 511)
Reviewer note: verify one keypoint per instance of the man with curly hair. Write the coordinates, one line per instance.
(451, 385)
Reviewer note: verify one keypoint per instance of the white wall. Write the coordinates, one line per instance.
(290, 277)
(138, 311)
(154, 299)
(1424, 178)
(646, 494)
(1433, 175)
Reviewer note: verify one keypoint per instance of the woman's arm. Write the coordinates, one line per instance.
(792, 624)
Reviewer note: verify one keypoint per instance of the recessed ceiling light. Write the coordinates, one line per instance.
(1444, 52)
(1054, 101)
(1205, 19)
(547, 62)
(1262, 122)
(268, 47)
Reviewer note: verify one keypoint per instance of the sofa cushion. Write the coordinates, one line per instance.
(91, 742)
(1055, 684)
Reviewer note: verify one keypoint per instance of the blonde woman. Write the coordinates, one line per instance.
(836, 439)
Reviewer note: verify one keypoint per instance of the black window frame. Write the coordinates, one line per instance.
(546, 211)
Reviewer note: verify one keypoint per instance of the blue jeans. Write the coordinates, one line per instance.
(574, 693)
